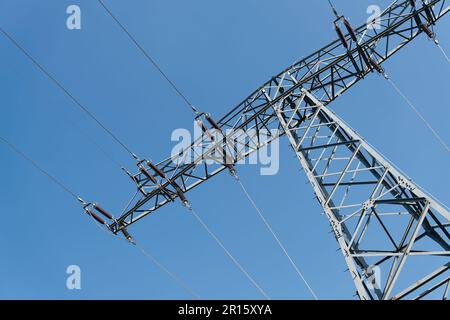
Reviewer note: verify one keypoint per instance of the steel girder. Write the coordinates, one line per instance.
(385, 224)
(326, 73)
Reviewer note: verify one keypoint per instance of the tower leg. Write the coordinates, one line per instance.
(394, 237)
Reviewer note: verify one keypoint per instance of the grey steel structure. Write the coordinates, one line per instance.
(382, 221)
(380, 218)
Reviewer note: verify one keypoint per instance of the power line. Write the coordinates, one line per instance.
(260, 214)
(180, 282)
(67, 92)
(158, 264)
(435, 133)
(194, 109)
(21, 48)
(71, 193)
(96, 144)
(300, 274)
(249, 277)
(178, 91)
(39, 168)
(149, 57)
(444, 53)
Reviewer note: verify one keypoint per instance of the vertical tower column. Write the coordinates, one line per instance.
(394, 237)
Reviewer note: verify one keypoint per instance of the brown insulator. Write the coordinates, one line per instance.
(428, 31)
(350, 30)
(231, 168)
(212, 122)
(96, 217)
(418, 20)
(429, 13)
(126, 234)
(376, 66)
(148, 175)
(102, 211)
(156, 169)
(204, 129)
(180, 193)
(216, 126)
(201, 125)
(341, 36)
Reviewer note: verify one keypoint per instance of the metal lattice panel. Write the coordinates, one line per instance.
(383, 222)
(381, 219)
(326, 73)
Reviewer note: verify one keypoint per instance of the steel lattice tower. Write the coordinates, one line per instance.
(381, 219)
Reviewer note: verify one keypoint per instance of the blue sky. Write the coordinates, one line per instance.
(217, 52)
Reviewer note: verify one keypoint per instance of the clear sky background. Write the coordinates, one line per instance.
(217, 52)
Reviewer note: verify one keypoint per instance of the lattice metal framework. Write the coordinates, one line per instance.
(261, 118)
(384, 223)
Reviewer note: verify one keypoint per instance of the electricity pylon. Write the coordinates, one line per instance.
(293, 103)
(382, 221)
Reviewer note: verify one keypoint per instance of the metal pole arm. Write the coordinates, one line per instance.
(326, 74)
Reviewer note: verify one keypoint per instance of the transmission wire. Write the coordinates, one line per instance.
(260, 214)
(71, 193)
(149, 256)
(156, 262)
(96, 144)
(39, 168)
(186, 100)
(178, 91)
(183, 96)
(444, 53)
(241, 268)
(67, 92)
(430, 127)
(180, 282)
(149, 57)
